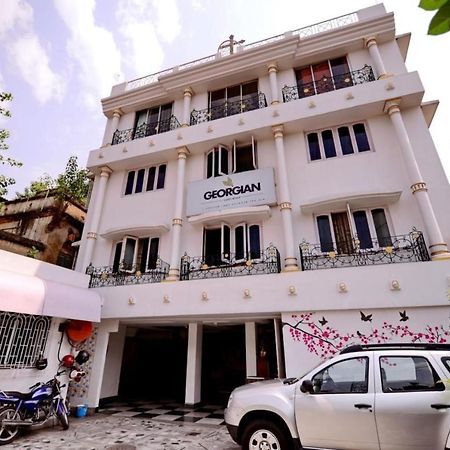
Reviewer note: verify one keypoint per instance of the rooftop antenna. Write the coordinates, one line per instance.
(229, 43)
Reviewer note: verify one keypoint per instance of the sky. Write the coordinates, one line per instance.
(60, 57)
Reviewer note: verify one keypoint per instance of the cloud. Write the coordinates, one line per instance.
(144, 26)
(33, 65)
(92, 47)
(198, 5)
(26, 53)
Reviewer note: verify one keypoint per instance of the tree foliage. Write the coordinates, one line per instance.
(4, 134)
(73, 184)
(440, 23)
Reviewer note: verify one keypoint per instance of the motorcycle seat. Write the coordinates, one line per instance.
(19, 395)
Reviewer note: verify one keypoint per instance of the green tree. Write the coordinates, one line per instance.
(440, 23)
(74, 182)
(4, 134)
(42, 184)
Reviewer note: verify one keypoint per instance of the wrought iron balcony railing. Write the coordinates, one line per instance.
(326, 84)
(146, 129)
(230, 265)
(249, 103)
(353, 253)
(126, 274)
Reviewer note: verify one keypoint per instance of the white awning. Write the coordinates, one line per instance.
(33, 295)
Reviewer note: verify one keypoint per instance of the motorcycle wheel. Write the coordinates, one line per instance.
(7, 433)
(63, 419)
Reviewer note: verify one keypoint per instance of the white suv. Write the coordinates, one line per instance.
(369, 397)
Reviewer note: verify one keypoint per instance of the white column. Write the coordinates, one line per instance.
(177, 221)
(109, 133)
(371, 44)
(187, 96)
(250, 349)
(438, 247)
(98, 364)
(194, 364)
(290, 261)
(95, 208)
(273, 69)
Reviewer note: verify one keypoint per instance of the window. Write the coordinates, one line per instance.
(323, 77)
(224, 244)
(344, 140)
(407, 374)
(131, 254)
(153, 121)
(221, 161)
(23, 338)
(337, 231)
(152, 178)
(344, 377)
(233, 100)
(446, 362)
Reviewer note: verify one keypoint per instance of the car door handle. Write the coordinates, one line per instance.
(440, 406)
(363, 406)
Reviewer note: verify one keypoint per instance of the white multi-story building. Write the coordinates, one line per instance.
(263, 207)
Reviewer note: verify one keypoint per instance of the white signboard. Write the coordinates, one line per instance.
(238, 190)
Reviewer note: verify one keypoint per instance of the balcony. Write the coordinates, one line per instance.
(106, 276)
(230, 265)
(249, 103)
(395, 249)
(327, 84)
(146, 129)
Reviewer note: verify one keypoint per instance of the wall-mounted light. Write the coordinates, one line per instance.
(247, 293)
(342, 287)
(166, 299)
(205, 296)
(292, 290)
(395, 285)
(131, 301)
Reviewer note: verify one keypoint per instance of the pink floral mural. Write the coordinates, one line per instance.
(324, 340)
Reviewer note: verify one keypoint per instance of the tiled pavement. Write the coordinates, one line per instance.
(166, 412)
(120, 431)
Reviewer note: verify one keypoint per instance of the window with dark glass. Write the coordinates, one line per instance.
(233, 100)
(217, 161)
(326, 240)
(381, 228)
(345, 140)
(328, 144)
(148, 253)
(362, 229)
(132, 254)
(244, 156)
(226, 244)
(152, 178)
(314, 147)
(153, 121)
(361, 137)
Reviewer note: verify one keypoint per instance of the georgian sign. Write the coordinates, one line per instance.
(238, 190)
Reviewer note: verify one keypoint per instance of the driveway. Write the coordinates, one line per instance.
(112, 432)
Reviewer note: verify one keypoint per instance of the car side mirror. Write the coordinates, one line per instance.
(307, 386)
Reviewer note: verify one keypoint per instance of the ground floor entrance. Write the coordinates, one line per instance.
(190, 363)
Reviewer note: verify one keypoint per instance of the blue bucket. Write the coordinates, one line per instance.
(81, 411)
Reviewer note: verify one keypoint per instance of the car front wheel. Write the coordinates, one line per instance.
(265, 435)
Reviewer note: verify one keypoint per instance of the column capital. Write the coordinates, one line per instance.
(105, 171)
(188, 92)
(177, 221)
(369, 41)
(182, 152)
(392, 106)
(419, 186)
(278, 131)
(91, 235)
(285, 205)
(117, 113)
(272, 68)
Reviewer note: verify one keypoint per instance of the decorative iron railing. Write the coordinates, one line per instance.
(146, 129)
(230, 265)
(352, 253)
(326, 84)
(126, 274)
(249, 103)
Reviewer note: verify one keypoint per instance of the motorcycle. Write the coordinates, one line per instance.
(42, 403)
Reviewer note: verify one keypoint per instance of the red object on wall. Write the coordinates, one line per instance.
(68, 360)
(78, 330)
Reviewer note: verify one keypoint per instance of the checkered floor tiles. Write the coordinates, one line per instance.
(166, 412)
